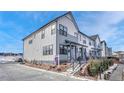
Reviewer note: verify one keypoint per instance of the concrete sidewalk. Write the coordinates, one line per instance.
(117, 74)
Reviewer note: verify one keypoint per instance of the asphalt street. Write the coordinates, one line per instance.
(11, 71)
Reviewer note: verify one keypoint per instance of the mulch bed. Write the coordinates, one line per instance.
(61, 68)
(85, 74)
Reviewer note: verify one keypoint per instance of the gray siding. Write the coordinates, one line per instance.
(34, 51)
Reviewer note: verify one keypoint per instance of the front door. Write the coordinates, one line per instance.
(84, 54)
(71, 53)
(81, 52)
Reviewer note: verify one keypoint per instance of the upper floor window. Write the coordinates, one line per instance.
(53, 28)
(80, 37)
(42, 34)
(30, 41)
(62, 30)
(84, 41)
(90, 43)
(98, 45)
(94, 44)
(76, 35)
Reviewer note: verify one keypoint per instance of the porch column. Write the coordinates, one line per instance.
(70, 52)
(75, 52)
(82, 52)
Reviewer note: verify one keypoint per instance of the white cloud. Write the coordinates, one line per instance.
(105, 24)
(102, 24)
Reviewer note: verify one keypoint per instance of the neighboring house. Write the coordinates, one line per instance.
(61, 39)
(120, 55)
(97, 46)
(109, 51)
(106, 51)
(104, 48)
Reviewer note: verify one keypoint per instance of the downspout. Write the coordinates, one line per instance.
(57, 45)
(23, 50)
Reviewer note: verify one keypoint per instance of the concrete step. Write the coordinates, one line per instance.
(77, 68)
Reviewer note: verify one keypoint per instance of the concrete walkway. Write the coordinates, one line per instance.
(16, 72)
(117, 74)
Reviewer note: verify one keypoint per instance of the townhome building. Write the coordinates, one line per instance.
(109, 51)
(97, 47)
(104, 48)
(61, 40)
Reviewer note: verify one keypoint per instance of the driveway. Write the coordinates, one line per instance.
(11, 71)
(117, 74)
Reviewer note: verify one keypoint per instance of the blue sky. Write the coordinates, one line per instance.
(14, 26)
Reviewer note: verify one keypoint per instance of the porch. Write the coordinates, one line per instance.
(76, 55)
(96, 53)
(75, 51)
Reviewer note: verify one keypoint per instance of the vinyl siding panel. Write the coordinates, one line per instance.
(34, 51)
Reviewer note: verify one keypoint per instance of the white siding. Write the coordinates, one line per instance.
(98, 47)
(103, 46)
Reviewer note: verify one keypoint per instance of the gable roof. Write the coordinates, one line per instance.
(104, 42)
(86, 35)
(54, 21)
(74, 21)
(94, 37)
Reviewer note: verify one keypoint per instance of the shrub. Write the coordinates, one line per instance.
(105, 64)
(110, 62)
(93, 67)
(97, 66)
(106, 76)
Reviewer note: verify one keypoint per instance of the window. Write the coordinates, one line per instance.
(42, 34)
(48, 50)
(53, 29)
(30, 41)
(90, 43)
(94, 44)
(51, 49)
(90, 53)
(84, 41)
(61, 27)
(76, 35)
(62, 49)
(80, 37)
(62, 30)
(98, 45)
(34, 36)
(44, 51)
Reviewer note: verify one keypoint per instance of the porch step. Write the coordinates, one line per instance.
(77, 67)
